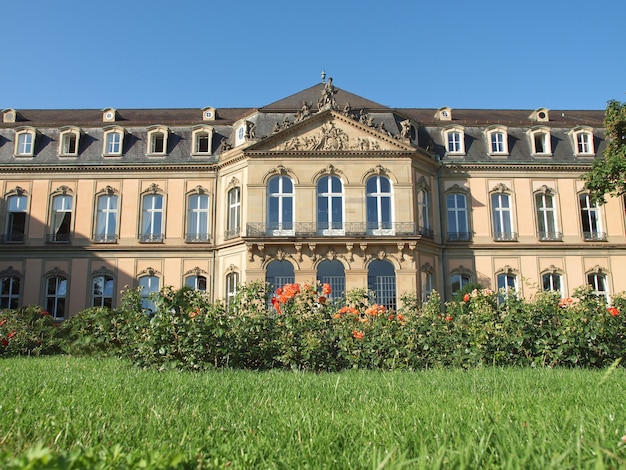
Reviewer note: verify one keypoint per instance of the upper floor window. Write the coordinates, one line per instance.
(540, 141)
(233, 224)
(69, 138)
(330, 205)
(198, 210)
(423, 212)
(10, 291)
(280, 206)
(502, 217)
(497, 138)
(379, 200)
(456, 209)
(152, 218)
(583, 141)
(202, 137)
(547, 229)
(25, 142)
(590, 218)
(455, 140)
(102, 291)
(60, 229)
(113, 141)
(106, 217)
(56, 294)
(15, 228)
(157, 140)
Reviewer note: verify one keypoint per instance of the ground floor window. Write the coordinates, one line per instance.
(381, 279)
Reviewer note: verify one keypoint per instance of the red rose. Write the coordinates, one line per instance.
(466, 298)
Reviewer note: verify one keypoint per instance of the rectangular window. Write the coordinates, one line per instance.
(454, 142)
(584, 143)
(589, 215)
(202, 142)
(152, 219)
(106, 219)
(551, 282)
(113, 143)
(198, 218)
(497, 142)
(502, 220)
(157, 144)
(546, 217)
(102, 292)
(69, 144)
(16, 219)
(457, 217)
(25, 143)
(61, 220)
(232, 280)
(56, 293)
(234, 213)
(540, 143)
(9, 292)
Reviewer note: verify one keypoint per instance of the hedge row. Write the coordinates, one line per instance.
(299, 327)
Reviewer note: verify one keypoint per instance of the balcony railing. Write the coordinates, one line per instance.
(347, 229)
(151, 238)
(198, 238)
(458, 236)
(550, 236)
(594, 236)
(505, 236)
(59, 238)
(232, 233)
(12, 238)
(105, 238)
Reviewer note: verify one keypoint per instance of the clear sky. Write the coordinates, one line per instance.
(558, 54)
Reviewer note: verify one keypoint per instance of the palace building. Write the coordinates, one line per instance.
(321, 185)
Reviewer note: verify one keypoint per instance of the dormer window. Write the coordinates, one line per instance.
(497, 140)
(157, 140)
(25, 142)
(69, 139)
(113, 141)
(444, 114)
(202, 140)
(583, 141)
(454, 138)
(540, 141)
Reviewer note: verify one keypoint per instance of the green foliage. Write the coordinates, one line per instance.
(28, 331)
(608, 174)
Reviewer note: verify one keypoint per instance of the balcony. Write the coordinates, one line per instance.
(594, 236)
(151, 238)
(550, 236)
(458, 236)
(197, 238)
(232, 233)
(59, 238)
(348, 229)
(104, 238)
(505, 236)
(12, 238)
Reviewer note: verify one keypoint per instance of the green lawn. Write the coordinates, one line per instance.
(482, 418)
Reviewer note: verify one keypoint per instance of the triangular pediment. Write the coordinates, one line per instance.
(331, 131)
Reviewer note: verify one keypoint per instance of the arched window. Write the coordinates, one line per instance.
(279, 273)
(332, 273)
(423, 214)
(151, 218)
(15, 229)
(456, 209)
(379, 206)
(61, 218)
(198, 210)
(381, 278)
(102, 291)
(196, 282)
(56, 294)
(232, 284)
(598, 282)
(10, 291)
(280, 204)
(113, 141)
(458, 281)
(148, 285)
(330, 206)
(106, 218)
(233, 224)
(427, 284)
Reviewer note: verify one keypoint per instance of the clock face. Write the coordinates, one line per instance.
(109, 115)
(542, 115)
(208, 115)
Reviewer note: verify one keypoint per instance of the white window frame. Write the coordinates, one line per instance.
(543, 133)
(550, 276)
(497, 140)
(149, 233)
(106, 296)
(197, 133)
(599, 282)
(285, 224)
(58, 212)
(147, 285)
(454, 135)
(13, 293)
(196, 281)
(460, 278)
(17, 203)
(25, 138)
(546, 216)
(384, 201)
(105, 225)
(591, 218)
(329, 197)
(113, 141)
(232, 283)
(502, 216)
(60, 293)
(582, 141)
(65, 138)
(458, 215)
(233, 222)
(196, 231)
(153, 134)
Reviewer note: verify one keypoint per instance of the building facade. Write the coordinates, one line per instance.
(321, 185)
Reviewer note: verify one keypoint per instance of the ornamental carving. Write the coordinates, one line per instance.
(500, 188)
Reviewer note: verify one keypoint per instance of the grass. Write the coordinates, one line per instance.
(482, 418)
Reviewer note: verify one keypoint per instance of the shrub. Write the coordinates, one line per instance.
(28, 331)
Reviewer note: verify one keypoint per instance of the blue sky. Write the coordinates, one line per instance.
(558, 54)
